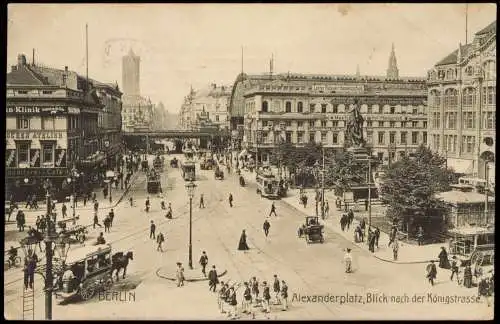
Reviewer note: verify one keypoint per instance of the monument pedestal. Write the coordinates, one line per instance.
(359, 153)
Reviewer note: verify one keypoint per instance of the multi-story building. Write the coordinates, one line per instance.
(137, 112)
(314, 108)
(209, 105)
(110, 122)
(462, 104)
(51, 128)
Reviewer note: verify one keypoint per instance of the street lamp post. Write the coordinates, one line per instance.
(74, 176)
(190, 186)
(110, 175)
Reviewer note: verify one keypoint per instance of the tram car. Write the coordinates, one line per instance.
(267, 185)
(188, 171)
(158, 164)
(153, 182)
(88, 270)
(312, 230)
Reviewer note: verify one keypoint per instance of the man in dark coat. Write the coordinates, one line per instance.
(203, 262)
(152, 229)
(266, 227)
(242, 246)
(230, 200)
(377, 236)
(350, 218)
(213, 279)
(343, 221)
(273, 210)
(64, 210)
(276, 289)
(111, 217)
(431, 272)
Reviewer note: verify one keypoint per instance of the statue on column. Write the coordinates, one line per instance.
(354, 128)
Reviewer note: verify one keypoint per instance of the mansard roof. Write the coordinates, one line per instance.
(24, 75)
(452, 58)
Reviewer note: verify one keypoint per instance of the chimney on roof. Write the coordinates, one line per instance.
(21, 59)
(66, 68)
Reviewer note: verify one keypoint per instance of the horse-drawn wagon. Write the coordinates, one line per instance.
(312, 230)
(89, 269)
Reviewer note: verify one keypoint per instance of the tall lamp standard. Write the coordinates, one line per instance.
(75, 175)
(190, 186)
(110, 176)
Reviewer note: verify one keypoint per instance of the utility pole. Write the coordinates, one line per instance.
(323, 185)
(369, 192)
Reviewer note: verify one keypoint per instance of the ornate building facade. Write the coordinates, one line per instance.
(208, 106)
(52, 126)
(462, 106)
(314, 108)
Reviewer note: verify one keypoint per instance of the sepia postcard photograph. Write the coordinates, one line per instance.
(250, 161)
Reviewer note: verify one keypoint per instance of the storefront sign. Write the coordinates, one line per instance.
(39, 135)
(38, 109)
(339, 88)
(36, 172)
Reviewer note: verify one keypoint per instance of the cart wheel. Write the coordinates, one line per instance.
(87, 292)
(108, 283)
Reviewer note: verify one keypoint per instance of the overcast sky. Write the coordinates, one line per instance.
(199, 44)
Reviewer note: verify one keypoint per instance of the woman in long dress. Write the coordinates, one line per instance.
(242, 246)
(444, 262)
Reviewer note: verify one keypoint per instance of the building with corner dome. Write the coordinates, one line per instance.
(462, 105)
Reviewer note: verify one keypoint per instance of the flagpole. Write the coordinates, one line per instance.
(466, 21)
(87, 51)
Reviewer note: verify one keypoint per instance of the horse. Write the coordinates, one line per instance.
(120, 261)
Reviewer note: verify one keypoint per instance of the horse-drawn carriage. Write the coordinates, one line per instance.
(153, 182)
(218, 173)
(73, 233)
(158, 164)
(88, 270)
(174, 163)
(312, 230)
(207, 164)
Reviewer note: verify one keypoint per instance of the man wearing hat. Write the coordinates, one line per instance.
(266, 296)
(180, 275)
(276, 289)
(203, 262)
(348, 261)
(284, 295)
(220, 297)
(212, 279)
(247, 298)
(431, 272)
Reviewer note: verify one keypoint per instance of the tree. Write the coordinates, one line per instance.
(409, 188)
(344, 171)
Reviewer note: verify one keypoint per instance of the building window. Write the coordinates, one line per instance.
(300, 137)
(23, 122)
(335, 138)
(489, 95)
(300, 107)
(414, 124)
(48, 153)
(311, 107)
(288, 107)
(392, 137)
(23, 152)
(469, 97)
(323, 123)
(217, 118)
(393, 110)
(450, 98)
(288, 137)
(468, 120)
(265, 106)
(369, 123)
(323, 108)
(369, 109)
(288, 123)
(335, 123)
(490, 70)
(469, 71)
(300, 124)
(381, 139)
(47, 92)
(392, 124)
(311, 137)
(414, 138)
(403, 137)
(335, 109)
(424, 138)
(435, 99)
(323, 137)
(489, 120)
(425, 124)
(48, 122)
(369, 137)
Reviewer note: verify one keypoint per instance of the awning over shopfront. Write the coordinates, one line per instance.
(92, 160)
(461, 165)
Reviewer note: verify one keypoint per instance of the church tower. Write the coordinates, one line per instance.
(131, 74)
(392, 70)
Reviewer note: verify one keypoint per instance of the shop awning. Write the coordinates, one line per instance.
(461, 165)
